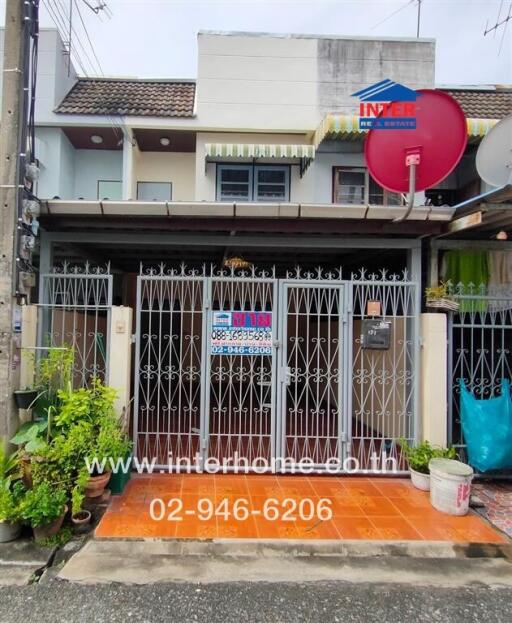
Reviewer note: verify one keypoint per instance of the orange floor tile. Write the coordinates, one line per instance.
(201, 506)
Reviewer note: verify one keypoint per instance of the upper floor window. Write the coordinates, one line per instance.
(154, 191)
(354, 185)
(253, 183)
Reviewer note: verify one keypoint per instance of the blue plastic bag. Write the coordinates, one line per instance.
(487, 428)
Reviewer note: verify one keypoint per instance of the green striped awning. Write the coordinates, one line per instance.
(248, 150)
(346, 127)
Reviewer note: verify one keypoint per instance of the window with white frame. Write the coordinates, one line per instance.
(253, 183)
(354, 185)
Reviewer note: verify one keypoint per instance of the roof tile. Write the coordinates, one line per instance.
(147, 98)
(484, 103)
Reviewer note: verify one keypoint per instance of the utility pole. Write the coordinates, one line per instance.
(11, 161)
(419, 20)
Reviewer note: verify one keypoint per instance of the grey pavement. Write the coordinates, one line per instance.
(252, 603)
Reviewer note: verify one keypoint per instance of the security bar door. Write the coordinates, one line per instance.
(312, 418)
(240, 418)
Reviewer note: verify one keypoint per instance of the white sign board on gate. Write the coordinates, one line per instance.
(241, 333)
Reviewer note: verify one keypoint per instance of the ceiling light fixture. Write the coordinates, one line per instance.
(96, 139)
(235, 262)
(164, 141)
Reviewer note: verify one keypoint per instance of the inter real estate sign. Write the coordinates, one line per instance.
(387, 105)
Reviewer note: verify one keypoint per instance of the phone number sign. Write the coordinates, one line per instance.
(241, 333)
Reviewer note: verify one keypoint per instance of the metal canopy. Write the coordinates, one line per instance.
(485, 213)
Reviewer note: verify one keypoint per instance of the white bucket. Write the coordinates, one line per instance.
(450, 486)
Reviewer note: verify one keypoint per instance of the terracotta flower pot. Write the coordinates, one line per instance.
(82, 518)
(96, 485)
(50, 529)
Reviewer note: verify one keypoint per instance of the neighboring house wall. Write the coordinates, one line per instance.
(177, 168)
(53, 81)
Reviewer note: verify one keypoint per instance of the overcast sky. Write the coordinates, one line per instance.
(157, 38)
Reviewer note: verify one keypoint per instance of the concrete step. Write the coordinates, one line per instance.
(147, 562)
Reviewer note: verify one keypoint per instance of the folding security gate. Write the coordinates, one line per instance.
(307, 391)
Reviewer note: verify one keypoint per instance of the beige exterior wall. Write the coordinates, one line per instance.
(120, 349)
(178, 168)
(434, 375)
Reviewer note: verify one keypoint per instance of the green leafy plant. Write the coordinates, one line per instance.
(419, 456)
(11, 499)
(63, 536)
(9, 463)
(43, 504)
(54, 371)
(32, 436)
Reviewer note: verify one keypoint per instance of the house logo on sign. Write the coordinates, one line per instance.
(387, 105)
(221, 319)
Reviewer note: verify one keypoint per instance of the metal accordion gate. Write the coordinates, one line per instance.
(255, 372)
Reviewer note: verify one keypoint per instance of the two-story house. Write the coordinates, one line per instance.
(276, 295)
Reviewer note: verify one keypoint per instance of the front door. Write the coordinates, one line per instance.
(312, 416)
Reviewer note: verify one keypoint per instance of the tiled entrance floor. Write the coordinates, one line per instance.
(363, 508)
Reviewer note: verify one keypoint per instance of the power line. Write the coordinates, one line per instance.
(88, 37)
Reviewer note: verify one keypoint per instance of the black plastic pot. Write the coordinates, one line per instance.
(25, 397)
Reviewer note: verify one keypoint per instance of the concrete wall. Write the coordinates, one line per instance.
(177, 168)
(346, 65)
(71, 173)
(249, 81)
(434, 375)
(57, 163)
(53, 81)
(92, 165)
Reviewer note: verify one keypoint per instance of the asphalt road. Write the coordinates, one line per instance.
(323, 602)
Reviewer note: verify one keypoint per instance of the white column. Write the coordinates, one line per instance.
(434, 378)
(120, 347)
(127, 164)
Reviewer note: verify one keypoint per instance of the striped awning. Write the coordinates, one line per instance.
(248, 150)
(346, 127)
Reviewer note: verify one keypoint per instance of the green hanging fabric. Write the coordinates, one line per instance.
(469, 269)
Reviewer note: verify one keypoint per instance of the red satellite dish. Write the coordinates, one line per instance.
(435, 146)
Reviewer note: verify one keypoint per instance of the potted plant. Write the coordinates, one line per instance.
(101, 441)
(419, 457)
(79, 516)
(25, 398)
(44, 508)
(438, 297)
(11, 495)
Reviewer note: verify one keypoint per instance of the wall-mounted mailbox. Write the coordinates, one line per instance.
(376, 334)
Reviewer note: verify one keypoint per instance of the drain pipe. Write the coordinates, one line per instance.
(411, 161)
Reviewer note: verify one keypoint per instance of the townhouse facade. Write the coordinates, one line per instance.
(218, 251)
